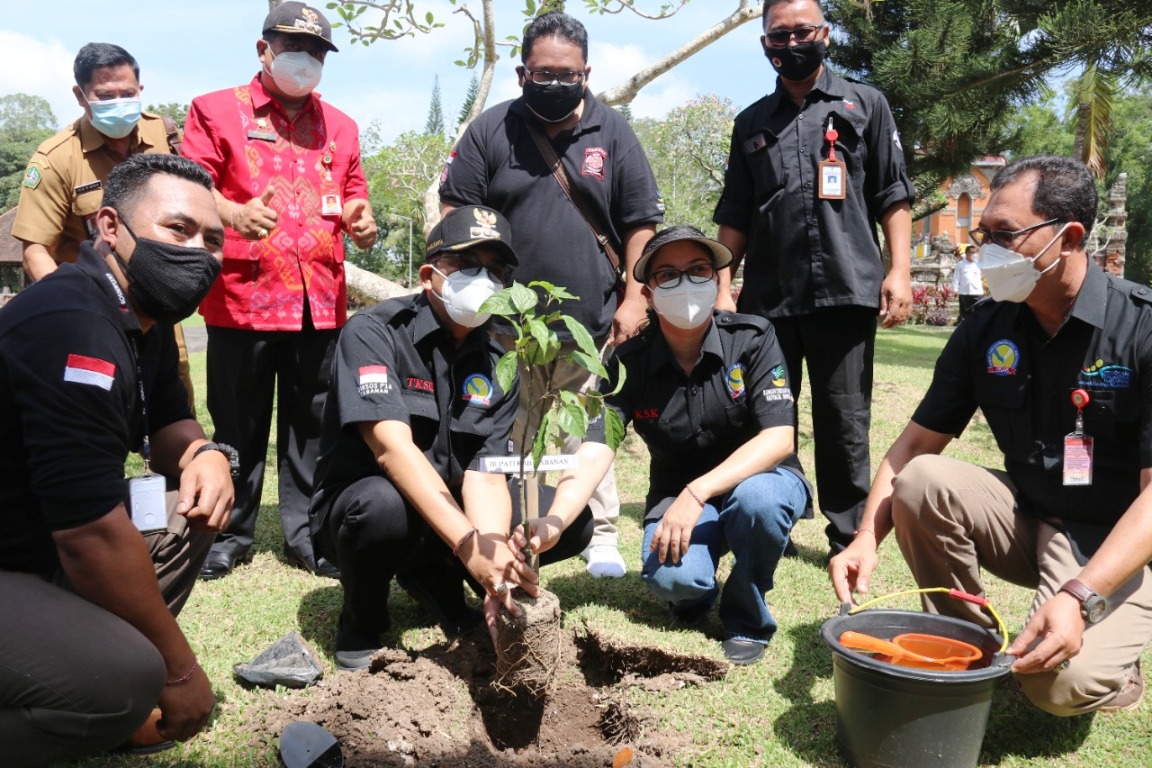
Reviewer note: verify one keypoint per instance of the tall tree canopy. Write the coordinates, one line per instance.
(25, 121)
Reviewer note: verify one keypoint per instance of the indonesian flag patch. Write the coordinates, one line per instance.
(373, 380)
(81, 369)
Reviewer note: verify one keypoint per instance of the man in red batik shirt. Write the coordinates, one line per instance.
(287, 172)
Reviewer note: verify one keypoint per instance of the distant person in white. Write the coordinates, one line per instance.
(966, 278)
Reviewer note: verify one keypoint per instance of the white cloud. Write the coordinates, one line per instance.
(40, 68)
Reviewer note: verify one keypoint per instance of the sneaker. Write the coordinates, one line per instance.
(1130, 695)
(604, 561)
(354, 647)
(742, 652)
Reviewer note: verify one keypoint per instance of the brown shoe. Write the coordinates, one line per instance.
(147, 740)
(1130, 695)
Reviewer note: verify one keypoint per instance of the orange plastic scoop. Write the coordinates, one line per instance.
(916, 650)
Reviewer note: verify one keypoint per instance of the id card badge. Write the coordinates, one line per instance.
(833, 174)
(146, 497)
(330, 204)
(1077, 459)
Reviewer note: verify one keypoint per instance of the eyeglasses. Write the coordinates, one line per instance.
(470, 264)
(544, 77)
(1003, 237)
(805, 34)
(667, 277)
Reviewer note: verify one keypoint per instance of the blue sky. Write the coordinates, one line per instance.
(186, 49)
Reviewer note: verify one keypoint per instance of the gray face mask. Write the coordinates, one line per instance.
(1010, 276)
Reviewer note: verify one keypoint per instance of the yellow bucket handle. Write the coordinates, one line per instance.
(956, 593)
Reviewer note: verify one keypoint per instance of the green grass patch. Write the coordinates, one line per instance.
(780, 712)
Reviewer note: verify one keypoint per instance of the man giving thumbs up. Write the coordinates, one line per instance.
(286, 166)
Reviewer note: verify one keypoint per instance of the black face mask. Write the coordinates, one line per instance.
(553, 102)
(168, 281)
(798, 62)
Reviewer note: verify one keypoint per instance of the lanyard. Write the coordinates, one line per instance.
(146, 448)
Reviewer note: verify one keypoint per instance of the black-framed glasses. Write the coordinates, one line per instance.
(1005, 238)
(668, 277)
(805, 34)
(544, 77)
(470, 264)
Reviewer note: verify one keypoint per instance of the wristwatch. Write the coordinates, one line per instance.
(1092, 605)
(232, 454)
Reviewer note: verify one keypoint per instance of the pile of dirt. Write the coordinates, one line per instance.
(439, 708)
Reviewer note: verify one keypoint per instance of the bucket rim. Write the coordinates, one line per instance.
(999, 665)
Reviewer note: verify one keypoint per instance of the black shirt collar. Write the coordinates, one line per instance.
(92, 264)
(661, 354)
(828, 84)
(1091, 301)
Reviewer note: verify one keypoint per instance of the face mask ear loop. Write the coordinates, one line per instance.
(1050, 243)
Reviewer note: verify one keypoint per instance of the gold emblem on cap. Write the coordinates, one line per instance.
(484, 217)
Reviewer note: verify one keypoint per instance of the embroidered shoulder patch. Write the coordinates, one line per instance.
(32, 177)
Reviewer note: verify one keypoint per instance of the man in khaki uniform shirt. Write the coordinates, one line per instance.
(63, 186)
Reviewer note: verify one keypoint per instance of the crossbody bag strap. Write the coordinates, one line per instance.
(573, 195)
(173, 133)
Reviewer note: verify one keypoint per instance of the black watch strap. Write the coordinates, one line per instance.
(232, 454)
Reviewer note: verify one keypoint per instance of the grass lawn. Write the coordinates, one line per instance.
(780, 712)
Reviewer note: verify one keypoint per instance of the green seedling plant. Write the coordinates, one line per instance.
(533, 311)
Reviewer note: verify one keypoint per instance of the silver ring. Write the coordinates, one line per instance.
(1061, 666)
(500, 588)
(263, 233)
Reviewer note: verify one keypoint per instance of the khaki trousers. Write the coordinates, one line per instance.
(953, 518)
(569, 377)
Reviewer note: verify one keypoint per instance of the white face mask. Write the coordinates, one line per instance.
(688, 305)
(295, 73)
(464, 294)
(115, 118)
(1010, 276)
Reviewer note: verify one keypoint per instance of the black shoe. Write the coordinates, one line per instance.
(741, 652)
(691, 616)
(322, 567)
(217, 565)
(451, 612)
(354, 647)
(790, 549)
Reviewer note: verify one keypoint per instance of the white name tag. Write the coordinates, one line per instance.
(146, 497)
(511, 464)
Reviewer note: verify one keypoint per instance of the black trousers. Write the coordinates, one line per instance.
(838, 345)
(967, 301)
(372, 533)
(75, 679)
(244, 369)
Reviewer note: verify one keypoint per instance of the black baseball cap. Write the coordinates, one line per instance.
(471, 225)
(295, 18)
(721, 255)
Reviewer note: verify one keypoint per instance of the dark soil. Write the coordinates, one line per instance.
(439, 708)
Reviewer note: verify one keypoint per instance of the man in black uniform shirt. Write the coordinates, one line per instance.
(499, 164)
(89, 641)
(1060, 363)
(414, 406)
(709, 396)
(813, 167)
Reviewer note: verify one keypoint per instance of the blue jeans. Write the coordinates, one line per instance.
(753, 522)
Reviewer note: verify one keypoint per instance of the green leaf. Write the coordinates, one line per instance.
(571, 398)
(590, 363)
(547, 343)
(524, 299)
(500, 304)
(580, 335)
(429, 18)
(622, 376)
(506, 370)
(540, 442)
(573, 420)
(560, 293)
(613, 428)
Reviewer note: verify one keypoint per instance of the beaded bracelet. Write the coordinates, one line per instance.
(692, 493)
(462, 542)
(184, 677)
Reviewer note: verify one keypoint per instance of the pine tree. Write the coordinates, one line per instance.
(469, 98)
(435, 123)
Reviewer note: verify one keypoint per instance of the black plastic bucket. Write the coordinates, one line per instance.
(890, 716)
